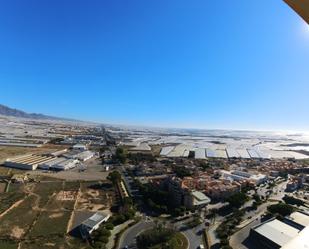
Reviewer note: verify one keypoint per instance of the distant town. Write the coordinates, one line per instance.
(71, 184)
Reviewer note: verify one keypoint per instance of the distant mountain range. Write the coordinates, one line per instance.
(7, 111)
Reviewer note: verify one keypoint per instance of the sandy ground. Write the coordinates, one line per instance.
(17, 232)
(66, 195)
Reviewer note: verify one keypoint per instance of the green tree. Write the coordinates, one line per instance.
(237, 200)
(114, 177)
(120, 155)
(281, 209)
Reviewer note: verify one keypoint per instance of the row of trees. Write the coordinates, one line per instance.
(293, 201)
(100, 237)
(280, 209)
(237, 200)
(126, 209)
(226, 228)
(122, 156)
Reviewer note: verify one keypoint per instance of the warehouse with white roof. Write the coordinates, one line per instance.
(59, 164)
(273, 234)
(291, 233)
(27, 162)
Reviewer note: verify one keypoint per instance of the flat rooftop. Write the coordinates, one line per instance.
(300, 242)
(277, 231)
(299, 218)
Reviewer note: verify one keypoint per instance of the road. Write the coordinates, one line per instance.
(128, 238)
(240, 239)
(194, 235)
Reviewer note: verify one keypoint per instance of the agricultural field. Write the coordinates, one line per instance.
(39, 214)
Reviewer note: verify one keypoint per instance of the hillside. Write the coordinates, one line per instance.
(7, 111)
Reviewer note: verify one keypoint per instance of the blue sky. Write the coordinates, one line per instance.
(205, 64)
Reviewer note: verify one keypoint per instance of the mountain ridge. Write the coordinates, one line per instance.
(8, 111)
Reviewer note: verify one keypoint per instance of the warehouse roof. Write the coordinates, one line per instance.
(277, 231)
(299, 218)
(55, 161)
(300, 242)
(94, 220)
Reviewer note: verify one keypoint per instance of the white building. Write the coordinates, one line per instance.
(59, 164)
(92, 223)
(237, 175)
(292, 233)
(273, 234)
(27, 162)
(85, 155)
(82, 156)
(80, 147)
(196, 199)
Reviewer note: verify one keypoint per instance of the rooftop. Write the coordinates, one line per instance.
(277, 231)
(299, 218)
(94, 220)
(300, 242)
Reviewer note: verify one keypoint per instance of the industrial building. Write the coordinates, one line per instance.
(59, 164)
(92, 223)
(273, 234)
(82, 156)
(299, 220)
(81, 147)
(291, 233)
(28, 162)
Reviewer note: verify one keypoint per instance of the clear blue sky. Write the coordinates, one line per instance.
(208, 64)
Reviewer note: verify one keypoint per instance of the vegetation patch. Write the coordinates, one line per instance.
(8, 199)
(161, 237)
(7, 244)
(23, 215)
(59, 221)
(280, 209)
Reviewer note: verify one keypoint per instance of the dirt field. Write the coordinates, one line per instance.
(94, 198)
(38, 215)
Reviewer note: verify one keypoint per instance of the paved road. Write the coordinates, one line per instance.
(239, 239)
(193, 235)
(129, 236)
